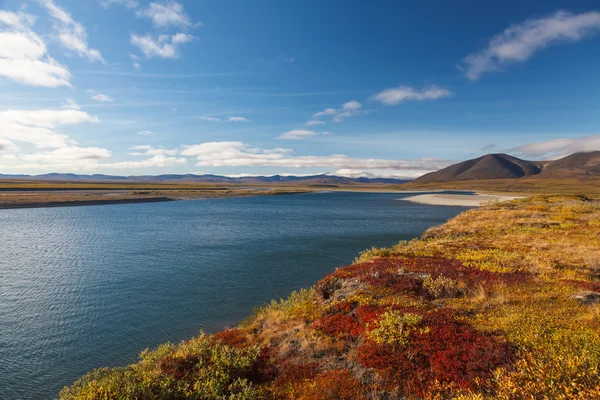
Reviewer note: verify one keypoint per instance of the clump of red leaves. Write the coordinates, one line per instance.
(405, 275)
(591, 286)
(232, 337)
(448, 351)
(291, 373)
(340, 321)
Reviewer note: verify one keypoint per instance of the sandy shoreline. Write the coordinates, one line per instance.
(465, 200)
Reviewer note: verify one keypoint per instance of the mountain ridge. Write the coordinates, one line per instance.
(317, 179)
(504, 166)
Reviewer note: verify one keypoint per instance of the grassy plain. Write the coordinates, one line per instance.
(501, 302)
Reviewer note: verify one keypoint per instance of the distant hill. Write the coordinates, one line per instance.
(503, 166)
(321, 179)
(490, 166)
(578, 165)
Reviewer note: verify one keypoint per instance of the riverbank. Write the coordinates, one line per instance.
(27, 198)
(498, 303)
(466, 200)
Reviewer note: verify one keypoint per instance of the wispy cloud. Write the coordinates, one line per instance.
(70, 33)
(299, 134)
(211, 119)
(237, 119)
(144, 133)
(166, 13)
(314, 122)
(126, 3)
(147, 150)
(406, 93)
(348, 109)
(162, 46)
(519, 42)
(557, 148)
(70, 103)
(23, 54)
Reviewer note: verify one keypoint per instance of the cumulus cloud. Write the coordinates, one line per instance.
(68, 154)
(405, 93)
(70, 33)
(239, 154)
(165, 14)
(23, 54)
(520, 42)
(348, 109)
(126, 3)
(163, 46)
(558, 148)
(38, 127)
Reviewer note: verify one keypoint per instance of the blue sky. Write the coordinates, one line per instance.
(230, 87)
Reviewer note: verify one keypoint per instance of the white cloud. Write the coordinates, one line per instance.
(405, 93)
(237, 119)
(126, 3)
(239, 154)
(23, 56)
(70, 103)
(359, 173)
(211, 119)
(70, 33)
(163, 46)
(39, 126)
(6, 146)
(314, 122)
(165, 14)
(68, 154)
(144, 133)
(348, 109)
(101, 97)
(298, 134)
(148, 150)
(558, 148)
(519, 42)
(134, 61)
(327, 111)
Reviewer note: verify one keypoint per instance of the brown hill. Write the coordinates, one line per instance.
(578, 165)
(490, 166)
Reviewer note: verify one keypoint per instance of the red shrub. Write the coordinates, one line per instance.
(450, 352)
(591, 286)
(290, 372)
(405, 274)
(232, 337)
(339, 325)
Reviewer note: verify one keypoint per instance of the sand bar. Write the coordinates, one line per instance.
(466, 200)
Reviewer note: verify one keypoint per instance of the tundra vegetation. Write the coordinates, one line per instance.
(501, 302)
